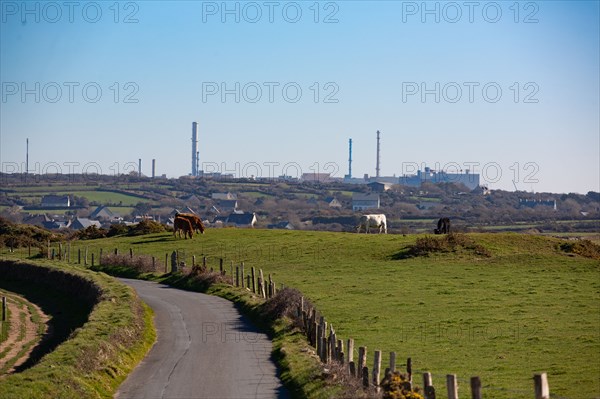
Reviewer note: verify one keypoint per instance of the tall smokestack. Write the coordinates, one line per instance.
(27, 158)
(194, 149)
(378, 153)
(350, 158)
(153, 168)
(140, 167)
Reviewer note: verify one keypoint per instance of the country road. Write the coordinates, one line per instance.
(205, 350)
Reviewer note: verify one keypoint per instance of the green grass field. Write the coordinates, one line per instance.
(102, 197)
(527, 308)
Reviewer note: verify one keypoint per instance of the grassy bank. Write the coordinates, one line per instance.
(109, 341)
(528, 307)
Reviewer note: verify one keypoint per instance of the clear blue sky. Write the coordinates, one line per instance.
(368, 65)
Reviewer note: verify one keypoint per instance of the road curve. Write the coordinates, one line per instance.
(205, 350)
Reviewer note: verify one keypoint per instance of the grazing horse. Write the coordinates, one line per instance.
(368, 221)
(182, 224)
(443, 226)
(194, 220)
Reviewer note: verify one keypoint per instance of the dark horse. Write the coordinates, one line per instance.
(443, 226)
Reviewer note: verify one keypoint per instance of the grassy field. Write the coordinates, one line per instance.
(103, 197)
(528, 308)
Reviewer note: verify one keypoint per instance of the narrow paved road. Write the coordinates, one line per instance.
(205, 350)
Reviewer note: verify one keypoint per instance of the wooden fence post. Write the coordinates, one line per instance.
(221, 265)
(85, 257)
(365, 376)
(243, 275)
(261, 287)
(475, 388)
(452, 386)
(193, 262)
(350, 353)
(79, 256)
(376, 368)
(232, 278)
(69, 253)
(237, 276)
(409, 372)
(153, 263)
(100, 258)
(542, 390)
(174, 265)
(340, 351)
(52, 256)
(428, 388)
(92, 259)
(204, 263)
(60, 249)
(362, 360)
(247, 281)
(48, 253)
(130, 253)
(392, 361)
(116, 251)
(3, 308)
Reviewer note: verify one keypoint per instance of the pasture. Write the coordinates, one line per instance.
(527, 308)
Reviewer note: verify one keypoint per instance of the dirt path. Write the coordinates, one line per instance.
(27, 326)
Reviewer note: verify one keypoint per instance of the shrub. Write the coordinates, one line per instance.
(138, 263)
(117, 230)
(396, 386)
(584, 248)
(285, 303)
(89, 233)
(453, 242)
(146, 227)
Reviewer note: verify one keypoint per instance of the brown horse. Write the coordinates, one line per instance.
(194, 220)
(182, 224)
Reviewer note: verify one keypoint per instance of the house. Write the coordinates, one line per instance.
(281, 225)
(333, 202)
(56, 201)
(532, 203)
(481, 190)
(224, 196)
(316, 177)
(379, 187)
(103, 212)
(226, 206)
(362, 201)
(57, 225)
(241, 220)
(37, 220)
(84, 223)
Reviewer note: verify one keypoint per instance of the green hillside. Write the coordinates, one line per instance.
(527, 307)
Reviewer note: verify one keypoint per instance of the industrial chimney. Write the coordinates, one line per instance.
(140, 167)
(350, 159)
(195, 149)
(27, 158)
(153, 168)
(378, 154)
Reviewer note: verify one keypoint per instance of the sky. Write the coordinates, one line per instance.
(509, 90)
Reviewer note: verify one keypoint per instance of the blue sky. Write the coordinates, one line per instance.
(507, 89)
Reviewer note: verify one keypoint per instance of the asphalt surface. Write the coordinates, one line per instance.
(205, 349)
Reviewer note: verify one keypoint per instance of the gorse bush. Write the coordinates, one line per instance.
(453, 242)
(584, 248)
(21, 235)
(397, 386)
